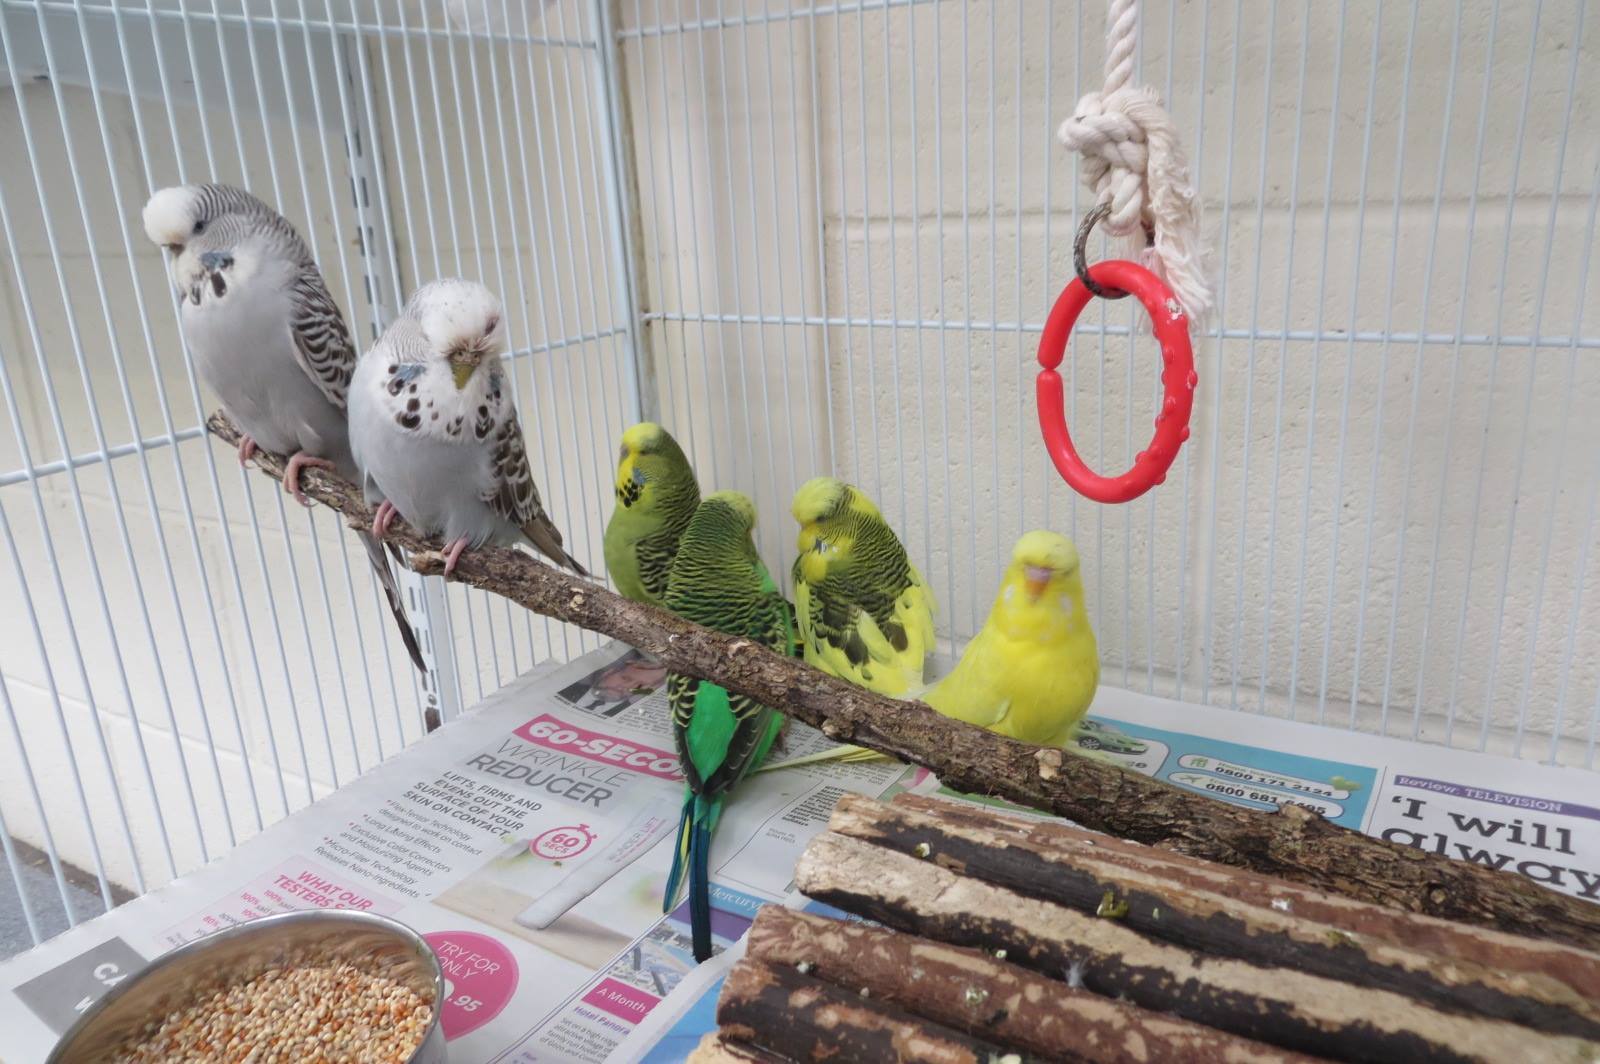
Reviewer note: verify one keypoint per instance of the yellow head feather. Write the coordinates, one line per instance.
(639, 437)
(818, 499)
(817, 506)
(634, 442)
(1045, 550)
(1042, 587)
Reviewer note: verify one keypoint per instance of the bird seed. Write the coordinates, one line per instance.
(305, 1010)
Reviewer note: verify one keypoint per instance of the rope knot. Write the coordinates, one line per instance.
(1106, 130)
(1132, 160)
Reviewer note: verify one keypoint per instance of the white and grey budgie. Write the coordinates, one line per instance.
(266, 336)
(435, 433)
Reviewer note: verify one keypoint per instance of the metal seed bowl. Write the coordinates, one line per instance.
(170, 981)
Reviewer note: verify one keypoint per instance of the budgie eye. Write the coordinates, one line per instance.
(199, 227)
(491, 325)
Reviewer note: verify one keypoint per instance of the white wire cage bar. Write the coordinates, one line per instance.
(809, 238)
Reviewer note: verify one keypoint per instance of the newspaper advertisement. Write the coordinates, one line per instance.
(530, 840)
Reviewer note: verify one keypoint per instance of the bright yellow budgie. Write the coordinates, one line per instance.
(1032, 671)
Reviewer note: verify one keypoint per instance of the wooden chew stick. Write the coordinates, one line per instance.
(715, 1049)
(1224, 912)
(806, 1019)
(1575, 967)
(974, 992)
(1294, 843)
(1288, 1008)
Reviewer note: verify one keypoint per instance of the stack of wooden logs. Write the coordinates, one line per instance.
(1005, 939)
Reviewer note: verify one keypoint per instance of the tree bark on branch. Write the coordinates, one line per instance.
(975, 992)
(1293, 844)
(1281, 1006)
(1224, 912)
(781, 1010)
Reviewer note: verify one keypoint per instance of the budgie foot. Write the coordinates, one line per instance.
(247, 449)
(452, 554)
(382, 518)
(291, 474)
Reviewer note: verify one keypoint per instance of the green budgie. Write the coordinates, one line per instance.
(865, 613)
(718, 581)
(656, 496)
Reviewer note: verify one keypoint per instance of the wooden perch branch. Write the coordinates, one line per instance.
(975, 992)
(1289, 1008)
(716, 1048)
(1224, 912)
(1513, 954)
(1294, 843)
(786, 1012)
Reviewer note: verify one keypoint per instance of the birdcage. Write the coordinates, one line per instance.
(808, 238)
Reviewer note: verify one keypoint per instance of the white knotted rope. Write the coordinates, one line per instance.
(1133, 161)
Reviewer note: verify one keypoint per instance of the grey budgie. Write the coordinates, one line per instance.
(434, 429)
(266, 336)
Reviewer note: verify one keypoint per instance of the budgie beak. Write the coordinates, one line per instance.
(1036, 578)
(462, 372)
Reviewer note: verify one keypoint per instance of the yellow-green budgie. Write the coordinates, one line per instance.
(1032, 671)
(656, 496)
(864, 612)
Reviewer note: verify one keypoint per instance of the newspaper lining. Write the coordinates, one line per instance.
(530, 843)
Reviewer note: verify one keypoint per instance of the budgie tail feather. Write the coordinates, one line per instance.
(693, 858)
(700, 888)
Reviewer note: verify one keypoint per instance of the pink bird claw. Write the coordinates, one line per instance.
(453, 554)
(247, 449)
(382, 519)
(291, 474)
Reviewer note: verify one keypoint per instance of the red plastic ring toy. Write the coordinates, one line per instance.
(1178, 381)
